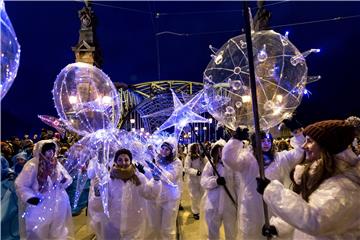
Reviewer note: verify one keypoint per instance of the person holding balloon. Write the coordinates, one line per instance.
(277, 166)
(128, 191)
(163, 210)
(44, 206)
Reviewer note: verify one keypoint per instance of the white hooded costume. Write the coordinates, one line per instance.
(127, 209)
(163, 210)
(191, 167)
(333, 209)
(51, 218)
(250, 204)
(218, 207)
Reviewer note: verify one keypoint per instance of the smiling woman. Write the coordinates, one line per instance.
(326, 201)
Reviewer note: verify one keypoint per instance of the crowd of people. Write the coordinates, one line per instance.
(311, 185)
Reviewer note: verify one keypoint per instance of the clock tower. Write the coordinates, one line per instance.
(87, 49)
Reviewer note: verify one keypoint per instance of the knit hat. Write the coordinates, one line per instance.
(168, 145)
(332, 135)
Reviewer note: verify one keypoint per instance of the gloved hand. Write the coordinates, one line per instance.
(220, 181)
(140, 167)
(292, 124)
(269, 231)
(261, 185)
(33, 201)
(198, 173)
(241, 134)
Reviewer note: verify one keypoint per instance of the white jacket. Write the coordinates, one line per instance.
(191, 167)
(243, 162)
(333, 210)
(127, 209)
(54, 208)
(215, 195)
(173, 171)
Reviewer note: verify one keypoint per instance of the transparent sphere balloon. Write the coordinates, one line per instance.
(93, 156)
(281, 76)
(10, 52)
(86, 99)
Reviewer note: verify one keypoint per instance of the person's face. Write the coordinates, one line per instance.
(16, 142)
(6, 149)
(123, 161)
(266, 144)
(312, 149)
(165, 151)
(49, 154)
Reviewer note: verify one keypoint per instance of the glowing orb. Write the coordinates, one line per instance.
(86, 99)
(281, 76)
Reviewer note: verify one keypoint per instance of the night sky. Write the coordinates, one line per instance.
(126, 32)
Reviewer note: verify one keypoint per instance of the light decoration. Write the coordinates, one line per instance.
(281, 76)
(182, 115)
(86, 99)
(50, 205)
(9, 52)
(98, 150)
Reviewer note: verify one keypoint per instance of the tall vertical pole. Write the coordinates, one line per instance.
(258, 152)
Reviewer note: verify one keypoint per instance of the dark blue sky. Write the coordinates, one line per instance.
(48, 30)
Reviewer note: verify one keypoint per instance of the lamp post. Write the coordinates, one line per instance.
(210, 122)
(205, 128)
(132, 123)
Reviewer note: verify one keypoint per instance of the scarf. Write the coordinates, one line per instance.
(46, 168)
(125, 174)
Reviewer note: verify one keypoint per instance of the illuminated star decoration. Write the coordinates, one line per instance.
(182, 115)
(54, 122)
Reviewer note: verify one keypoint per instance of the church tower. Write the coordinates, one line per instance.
(87, 49)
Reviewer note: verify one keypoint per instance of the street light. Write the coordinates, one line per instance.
(204, 128)
(210, 120)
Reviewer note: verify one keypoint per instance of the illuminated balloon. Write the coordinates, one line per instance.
(281, 76)
(86, 99)
(10, 52)
(95, 153)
